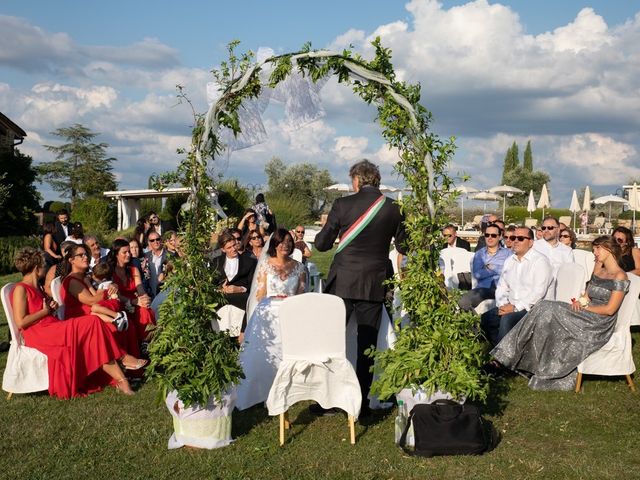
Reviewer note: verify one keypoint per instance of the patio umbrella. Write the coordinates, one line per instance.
(486, 197)
(504, 189)
(386, 188)
(586, 202)
(544, 202)
(610, 200)
(339, 187)
(634, 202)
(574, 207)
(531, 205)
(464, 190)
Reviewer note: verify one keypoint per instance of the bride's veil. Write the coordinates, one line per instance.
(252, 300)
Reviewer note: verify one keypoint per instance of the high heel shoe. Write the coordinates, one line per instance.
(139, 363)
(123, 386)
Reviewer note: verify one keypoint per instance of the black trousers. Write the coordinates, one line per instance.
(368, 316)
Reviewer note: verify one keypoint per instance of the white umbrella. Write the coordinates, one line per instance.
(486, 197)
(531, 205)
(610, 200)
(504, 189)
(544, 202)
(463, 190)
(339, 187)
(574, 207)
(586, 202)
(634, 203)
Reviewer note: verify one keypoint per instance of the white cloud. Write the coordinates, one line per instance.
(347, 149)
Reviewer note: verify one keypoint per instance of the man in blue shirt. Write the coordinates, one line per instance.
(487, 267)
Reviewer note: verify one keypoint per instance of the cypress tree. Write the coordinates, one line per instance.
(528, 158)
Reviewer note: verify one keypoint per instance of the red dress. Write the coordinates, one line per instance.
(142, 316)
(128, 339)
(75, 348)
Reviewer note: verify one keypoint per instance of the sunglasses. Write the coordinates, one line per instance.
(81, 255)
(154, 240)
(549, 227)
(447, 235)
(565, 235)
(299, 231)
(520, 238)
(491, 235)
(254, 238)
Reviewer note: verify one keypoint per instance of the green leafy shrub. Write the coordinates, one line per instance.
(9, 246)
(289, 210)
(233, 198)
(97, 215)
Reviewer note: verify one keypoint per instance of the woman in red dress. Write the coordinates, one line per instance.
(130, 287)
(81, 352)
(80, 298)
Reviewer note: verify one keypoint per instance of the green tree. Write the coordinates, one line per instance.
(525, 181)
(82, 168)
(21, 199)
(304, 183)
(527, 162)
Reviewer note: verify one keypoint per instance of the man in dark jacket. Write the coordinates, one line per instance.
(365, 223)
(63, 227)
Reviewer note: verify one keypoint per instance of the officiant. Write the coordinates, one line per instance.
(365, 224)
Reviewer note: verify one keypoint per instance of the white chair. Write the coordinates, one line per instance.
(530, 222)
(56, 293)
(615, 357)
(456, 260)
(566, 219)
(587, 260)
(598, 224)
(27, 368)
(569, 282)
(230, 320)
(635, 320)
(296, 255)
(315, 283)
(314, 364)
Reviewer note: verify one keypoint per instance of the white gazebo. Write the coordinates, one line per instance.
(129, 202)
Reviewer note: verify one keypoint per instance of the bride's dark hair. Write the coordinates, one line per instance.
(279, 236)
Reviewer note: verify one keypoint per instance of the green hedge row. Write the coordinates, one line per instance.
(8, 248)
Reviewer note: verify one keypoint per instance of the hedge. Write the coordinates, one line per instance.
(8, 248)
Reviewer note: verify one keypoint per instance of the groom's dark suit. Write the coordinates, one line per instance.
(359, 270)
(246, 268)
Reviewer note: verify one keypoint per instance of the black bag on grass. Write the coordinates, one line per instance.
(447, 428)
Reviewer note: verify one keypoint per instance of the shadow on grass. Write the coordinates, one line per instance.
(246, 420)
(496, 401)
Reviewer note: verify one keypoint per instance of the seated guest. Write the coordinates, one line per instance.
(140, 233)
(487, 267)
(170, 239)
(525, 279)
(235, 271)
(237, 234)
(253, 245)
(557, 253)
(77, 233)
(486, 220)
(130, 288)
(568, 238)
(98, 254)
(49, 246)
(249, 223)
(554, 337)
(451, 236)
(509, 232)
(81, 352)
(630, 256)
(56, 270)
(139, 260)
(300, 244)
(157, 258)
(80, 298)
(63, 227)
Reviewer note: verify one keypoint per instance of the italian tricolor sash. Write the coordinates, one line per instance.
(354, 230)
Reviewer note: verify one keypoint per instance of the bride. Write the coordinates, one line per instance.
(277, 276)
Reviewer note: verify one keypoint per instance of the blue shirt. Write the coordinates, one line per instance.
(487, 268)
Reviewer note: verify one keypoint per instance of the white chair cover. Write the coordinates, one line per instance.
(230, 320)
(570, 282)
(636, 316)
(315, 284)
(314, 364)
(208, 427)
(587, 260)
(296, 255)
(27, 369)
(456, 260)
(56, 287)
(615, 357)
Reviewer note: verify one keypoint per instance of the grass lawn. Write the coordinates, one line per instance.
(560, 435)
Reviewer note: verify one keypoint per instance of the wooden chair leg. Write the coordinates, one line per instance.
(282, 420)
(9, 396)
(578, 382)
(352, 429)
(632, 387)
(287, 423)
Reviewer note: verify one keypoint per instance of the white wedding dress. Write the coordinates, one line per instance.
(261, 352)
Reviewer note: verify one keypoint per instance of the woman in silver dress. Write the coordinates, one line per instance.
(554, 337)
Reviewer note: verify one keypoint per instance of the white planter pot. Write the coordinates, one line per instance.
(208, 427)
(411, 399)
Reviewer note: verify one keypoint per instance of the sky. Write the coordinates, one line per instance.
(561, 74)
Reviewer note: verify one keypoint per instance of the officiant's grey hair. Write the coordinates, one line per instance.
(366, 172)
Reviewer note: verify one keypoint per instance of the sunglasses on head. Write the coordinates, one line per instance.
(492, 235)
(520, 238)
(547, 227)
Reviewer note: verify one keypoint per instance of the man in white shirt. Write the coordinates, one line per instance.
(549, 245)
(524, 281)
(98, 254)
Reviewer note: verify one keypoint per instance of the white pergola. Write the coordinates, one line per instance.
(129, 202)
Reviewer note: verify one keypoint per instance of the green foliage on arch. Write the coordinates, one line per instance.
(440, 349)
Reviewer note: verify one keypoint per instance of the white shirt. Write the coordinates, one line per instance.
(103, 252)
(557, 255)
(231, 267)
(524, 281)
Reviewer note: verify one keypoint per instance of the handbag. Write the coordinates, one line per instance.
(464, 281)
(446, 427)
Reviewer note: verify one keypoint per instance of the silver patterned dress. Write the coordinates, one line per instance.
(551, 340)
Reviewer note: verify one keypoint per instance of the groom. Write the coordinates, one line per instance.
(365, 223)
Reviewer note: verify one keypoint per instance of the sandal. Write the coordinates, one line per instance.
(136, 366)
(123, 386)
